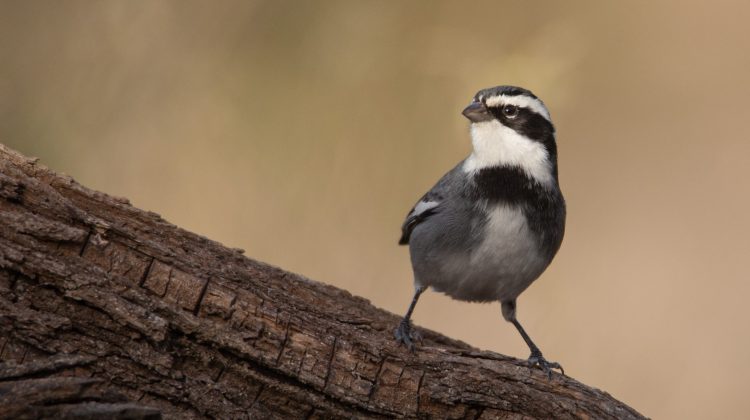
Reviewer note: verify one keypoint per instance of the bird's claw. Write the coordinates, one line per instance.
(407, 335)
(544, 365)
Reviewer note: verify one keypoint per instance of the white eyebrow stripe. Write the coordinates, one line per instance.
(520, 101)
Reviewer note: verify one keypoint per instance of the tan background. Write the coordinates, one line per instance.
(303, 132)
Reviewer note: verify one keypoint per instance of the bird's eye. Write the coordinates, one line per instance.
(510, 111)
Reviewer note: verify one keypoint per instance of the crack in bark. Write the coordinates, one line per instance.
(283, 343)
(261, 388)
(201, 296)
(480, 411)
(2, 349)
(377, 378)
(310, 413)
(146, 272)
(419, 389)
(330, 362)
(220, 374)
(85, 244)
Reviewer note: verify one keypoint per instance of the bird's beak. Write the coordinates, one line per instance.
(476, 112)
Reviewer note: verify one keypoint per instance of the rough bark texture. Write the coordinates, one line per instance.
(109, 311)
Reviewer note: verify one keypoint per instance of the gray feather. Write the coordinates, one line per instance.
(472, 249)
(446, 187)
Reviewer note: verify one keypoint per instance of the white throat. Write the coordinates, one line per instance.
(498, 145)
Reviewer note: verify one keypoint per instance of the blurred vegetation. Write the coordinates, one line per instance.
(304, 131)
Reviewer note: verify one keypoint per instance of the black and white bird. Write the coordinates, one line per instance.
(493, 223)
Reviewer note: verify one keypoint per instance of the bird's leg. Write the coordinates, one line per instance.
(405, 333)
(536, 358)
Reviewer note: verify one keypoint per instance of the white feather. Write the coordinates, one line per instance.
(423, 206)
(498, 145)
(520, 101)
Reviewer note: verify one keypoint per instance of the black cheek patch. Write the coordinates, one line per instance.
(532, 126)
(528, 124)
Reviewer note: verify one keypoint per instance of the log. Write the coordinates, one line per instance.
(110, 311)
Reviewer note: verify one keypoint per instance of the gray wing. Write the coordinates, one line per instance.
(430, 203)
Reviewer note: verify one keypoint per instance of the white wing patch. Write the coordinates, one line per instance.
(498, 145)
(520, 101)
(416, 216)
(423, 206)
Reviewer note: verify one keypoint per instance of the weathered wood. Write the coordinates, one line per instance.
(109, 311)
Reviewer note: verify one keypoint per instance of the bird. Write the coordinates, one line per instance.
(492, 224)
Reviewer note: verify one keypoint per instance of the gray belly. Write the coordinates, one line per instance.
(493, 257)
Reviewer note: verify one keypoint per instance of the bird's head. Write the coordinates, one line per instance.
(511, 127)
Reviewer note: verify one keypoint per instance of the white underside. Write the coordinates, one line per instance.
(497, 145)
(504, 264)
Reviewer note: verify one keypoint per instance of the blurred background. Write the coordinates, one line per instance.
(304, 131)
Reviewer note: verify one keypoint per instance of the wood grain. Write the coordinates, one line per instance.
(109, 311)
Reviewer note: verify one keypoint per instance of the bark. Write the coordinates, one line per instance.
(109, 311)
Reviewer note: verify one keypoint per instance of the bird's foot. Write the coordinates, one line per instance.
(406, 334)
(536, 359)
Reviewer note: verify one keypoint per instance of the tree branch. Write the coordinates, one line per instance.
(108, 310)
